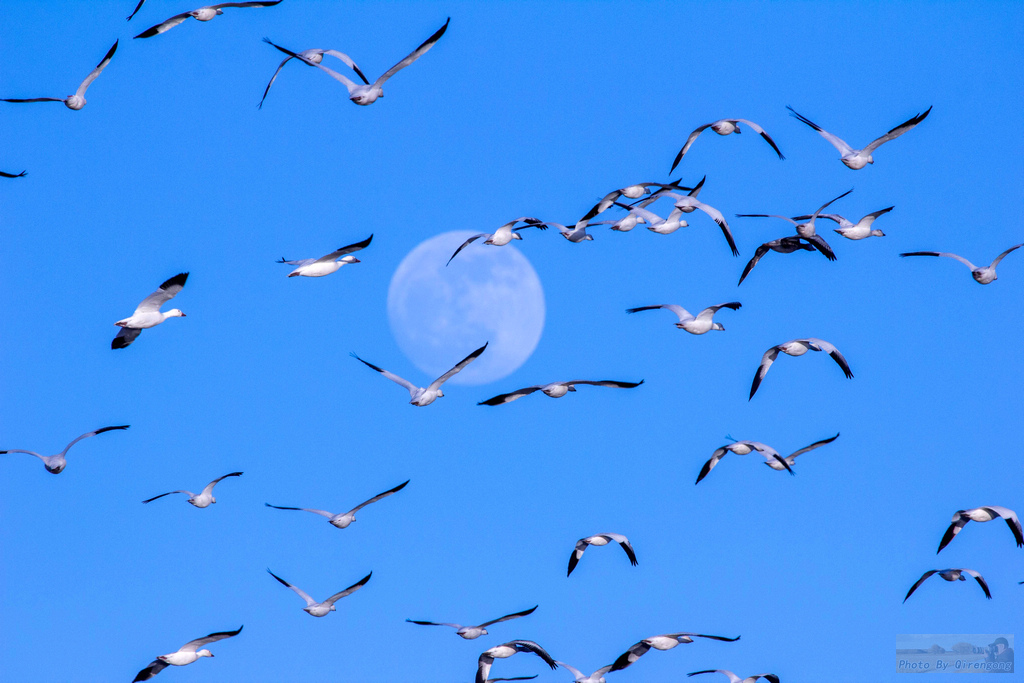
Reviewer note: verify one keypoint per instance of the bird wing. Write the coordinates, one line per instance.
(1003, 255)
(709, 312)
(765, 215)
(348, 62)
(530, 646)
(821, 245)
(349, 84)
(760, 131)
(805, 449)
(509, 616)
(467, 243)
(390, 375)
(766, 362)
(97, 71)
(1011, 520)
(165, 26)
(189, 493)
(13, 175)
(626, 545)
(264, 3)
(631, 655)
(168, 290)
(981, 581)
(18, 450)
(208, 489)
(870, 218)
(919, 582)
(124, 337)
(649, 217)
(689, 141)
(961, 259)
(758, 255)
(34, 99)
(577, 553)
(155, 667)
(322, 513)
(272, 79)
(717, 216)
(896, 132)
(298, 591)
(839, 144)
(379, 496)
(577, 674)
(348, 591)
(615, 384)
(436, 384)
(301, 262)
(733, 678)
(434, 623)
(701, 635)
(137, 8)
(959, 522)
(193, 645)
(829, 202)
(710, 464)
(88, 434)
(511, 396)
(335, 255)
(414, 55)
(683, 314)
(832, 351)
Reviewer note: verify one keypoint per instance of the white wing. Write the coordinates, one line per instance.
(298, 591)
(379, 496)
(760, 131)
(436, 384)
(683, 314)
(766, 363)
(414, 55)
(348, 591)
(1003, 255)
(832, 351)
(96, 72)
(88, 434)
(839, 144)
(322, 513)
(208, 489)
(390, 375)
(896, 132)
(194, 645)
(165, 26)
(335, 255)
(168, 290)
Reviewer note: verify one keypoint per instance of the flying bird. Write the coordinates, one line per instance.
(859, 158)
(580, 677)
(425, 396)
(201, 14)
(577, 233)
(797, 347)
(556, 390)
(312, 57)
(783, 245)
(631, 192)
(205, 497)
(148, 313)
(733, 678)
(982, 275)
(322, 609)
(724, 127)
(13, 175)
(506, 650)
(790, 459)
(186, 654)
(342, 520)
(983, 514)
(699, 324)
(805, 230)
(368, 94)
(951, 575)
(55, 464)
(473, 632)
(855, 231)
(599, 540)
(689, 203)
(664, 642)
(743, 448)
(503, 235)
(76, 101)
(325, 265)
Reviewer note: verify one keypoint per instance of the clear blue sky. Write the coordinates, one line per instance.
(520, 109)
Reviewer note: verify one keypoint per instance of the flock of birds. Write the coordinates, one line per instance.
(685, 200)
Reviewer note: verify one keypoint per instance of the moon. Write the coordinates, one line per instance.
(440, 314)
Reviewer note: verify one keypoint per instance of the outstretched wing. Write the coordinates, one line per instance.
(301, 262)
(631, 655)
(680, 312)
(839, 144)
(710, 464)
(821, 245)
(298, 591)
(1011, 520)
(959, 522)
(390, 375)
(577, 553)
(961, 259)
(349, 84)
(758, 255)
(136, 10)
(168, 290)
(150, 500)
(689, 141)
(466, 244)
(208, 489)
(433, 623)
(834, 352)
(97, 71)
(322, 513)
(349, 62)
(615, 384)
(436, 384)
(511, 396)
(710, 311)
(510, 616)
(805, 449)
(766, 363)
(335, 255)
(88, 434)
(124, 337)
(193, 645)
(760, 131)
(379, 496)
(1003, 255)
(981, 581)
(414, 55)
(155, 667)
(348, 591)
(919, 582)
(165, 26)
(717, 216)
(272, 79)
(626, 545)
(896, 132)
(13, 175)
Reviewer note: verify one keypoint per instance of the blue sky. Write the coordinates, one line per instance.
(520, 109)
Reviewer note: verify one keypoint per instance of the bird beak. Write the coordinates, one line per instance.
(355, 260)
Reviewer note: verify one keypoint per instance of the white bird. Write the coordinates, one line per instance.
(368, 94)
(791, 458)
(13, 175)
(55, 464)
(577, 233)
(596, 677)
(312, 57)
(325, 265)
(805, 230)
(797, 347)
(186, 654)
(859, 158)
(506, 650)
(742, 448)
(201, 14)
(783, 245)
(733, 678)
(724, 127)
(322, 609)
(503, 235)
(631, 192)
(982, 275)
(148, 313)
(694, 324)
(599, 540)
(425, 396)
(556, 390)
(689, 203)
(983, 514)
(342, 520)
(472, 632)
(205, 497)
(951, 575)
(655, 223)
(664, 642)
(76, 101)
(855, 231)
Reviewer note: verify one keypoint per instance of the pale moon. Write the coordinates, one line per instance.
(440, 314)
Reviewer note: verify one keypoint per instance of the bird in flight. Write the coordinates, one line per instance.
(342, 520)
(982, 514)
(186, 654)
(473, 632)
(204, 498)
(599, 540)
(76, 101)
(503, 235)
(201, 14)
(663, 642)
(951, 575)
(694, 324)
(424, 396)
(506, 650)
(859, 158)
(55, 464)
(148, 313)
(797, 347)
(322, 609)
(313, 57)
(556, 390)
(325, 265)
(982, 274)
(724, 127)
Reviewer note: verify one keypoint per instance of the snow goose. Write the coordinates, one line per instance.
(855, 231)
(556, 390)
(204, 499)
(742, 448)
(322, 609)
(325, 265)
(951, 575)
(13, 175)
(577, 233)
(699, 324)
(664, 642)
(981, 274)
(631, 192)
(797, 347)
(76, 101)
(201, 14)
(733, 678)
(342, 520)
(425, 396)
(982, 514)
(312, 57)
(596, 677)
(473, 632)
(805, 230)
(599, 540)
(724, 127)
(791, 458)
(148, 313)
(186, 654)
(689, 203)
(55, 464)
(783, 245)
(859, 158)
(368, 94)
(655, 223)
(503, 235)
(506, 650)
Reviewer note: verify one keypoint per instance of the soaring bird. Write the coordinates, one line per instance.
(663, 642)
(342, 520)
(186, 654)
(797, 347)
(310, 58)
(204, 499)
(805, 230)
(951, 575)
(325, 265)
(724, 127)
(148, 313)
(322, 609)
(556, 390)
(694, 324)
(76, 101)
(503, 235)
(855, 231)
(743, 448)
(201, 14)
(689, 203)
(783, 245)
(55, 464)
(421, 396)
(982, 514)
(473, 632)
(859, 158)
(599, 540)
(506, 650)
(982, 274)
